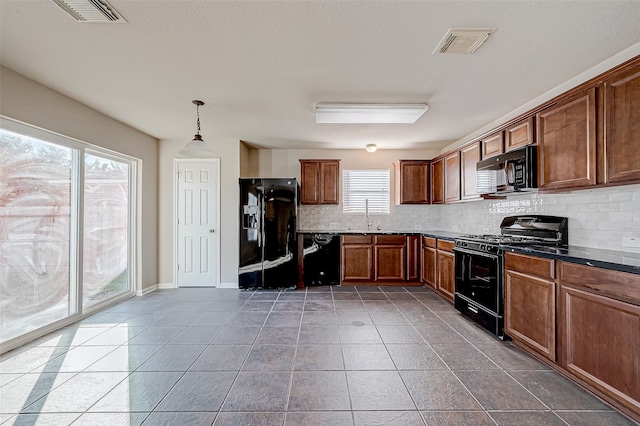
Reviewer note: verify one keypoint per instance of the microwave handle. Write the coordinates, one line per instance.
(510, 172)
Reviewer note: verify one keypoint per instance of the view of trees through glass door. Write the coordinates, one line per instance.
(40, 207)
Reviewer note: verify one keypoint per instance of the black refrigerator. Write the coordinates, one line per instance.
(268, 239)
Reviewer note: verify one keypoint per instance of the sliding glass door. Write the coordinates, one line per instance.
(64, 208)
(36, 230)
(106, 229)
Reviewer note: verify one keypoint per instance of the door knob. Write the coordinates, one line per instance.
(212, 230)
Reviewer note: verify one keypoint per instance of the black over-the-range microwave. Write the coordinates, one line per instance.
(514, 171)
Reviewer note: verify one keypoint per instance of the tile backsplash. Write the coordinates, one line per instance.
(598, 218)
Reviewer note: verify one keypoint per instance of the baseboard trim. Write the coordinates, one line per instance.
(166, 286)
(227, 285)
(147, 290)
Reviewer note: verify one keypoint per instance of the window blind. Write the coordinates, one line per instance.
(361, 185)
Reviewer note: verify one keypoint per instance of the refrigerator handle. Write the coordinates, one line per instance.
(259, 219)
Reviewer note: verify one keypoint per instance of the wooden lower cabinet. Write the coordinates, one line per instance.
(390, 262)
(601, 343)
(429, 254)
(356, 258)
(599, 323)
(379, 260)
(446, 275)
(413, 258)
(530, 302)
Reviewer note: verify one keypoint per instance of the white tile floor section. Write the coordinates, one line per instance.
(325, 356)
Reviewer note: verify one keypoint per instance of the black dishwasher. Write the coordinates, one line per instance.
(321, 259)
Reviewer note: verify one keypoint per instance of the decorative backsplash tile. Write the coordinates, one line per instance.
(598, 218)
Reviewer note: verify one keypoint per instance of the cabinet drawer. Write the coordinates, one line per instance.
(531, 265)
(445, 245)
(357, 239)
(619, 285)
(429, 242)
(391, 239)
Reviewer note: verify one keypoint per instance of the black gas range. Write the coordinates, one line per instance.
(479, 269)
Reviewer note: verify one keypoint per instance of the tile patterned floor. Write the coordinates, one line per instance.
(325, 356)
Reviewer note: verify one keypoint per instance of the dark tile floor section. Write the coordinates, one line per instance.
(324, 356)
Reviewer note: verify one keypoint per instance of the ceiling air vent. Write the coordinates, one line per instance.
(463, 40)
(90, 10)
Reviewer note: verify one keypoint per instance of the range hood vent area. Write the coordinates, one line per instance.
(90, 10)
(463, 40)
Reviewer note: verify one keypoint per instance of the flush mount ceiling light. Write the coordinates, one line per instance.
(369, 113)
(90, 10)
(371, 147)
(463, 40)
(197, 147)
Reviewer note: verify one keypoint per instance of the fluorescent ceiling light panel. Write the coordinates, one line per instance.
(369, 113)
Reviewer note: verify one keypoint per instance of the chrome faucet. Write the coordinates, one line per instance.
(366, 209)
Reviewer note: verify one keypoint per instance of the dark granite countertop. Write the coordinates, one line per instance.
(442, 235)
(360, 231)
(608, 259)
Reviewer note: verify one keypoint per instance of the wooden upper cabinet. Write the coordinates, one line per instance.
(412, 182)
(319, 181)
(493, 144)
(469, 157)
(622, 137)
(566, 134)
(452, 177)
(519, 134)
(437, 181)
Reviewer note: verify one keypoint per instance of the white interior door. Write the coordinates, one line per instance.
(198, 236)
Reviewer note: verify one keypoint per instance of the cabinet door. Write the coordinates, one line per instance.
(469, 157)
(446, 274)
(429, 266)
(493, 144)
(601, 343)
(319, 181)
(329, 182)
(357, 262)
(530, 312)
(413, 258)
(566, 136)
(390, 262)
(412, 182)
(519, 134)
(437, 181)
(452, 177)
(309, 182)
(622, 112)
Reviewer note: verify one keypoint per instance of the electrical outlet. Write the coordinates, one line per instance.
(417, 227)
(334, 225)
(631, 242)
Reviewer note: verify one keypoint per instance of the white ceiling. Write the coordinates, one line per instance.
(261, 66)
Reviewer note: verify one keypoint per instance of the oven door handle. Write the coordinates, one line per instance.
(476, 253)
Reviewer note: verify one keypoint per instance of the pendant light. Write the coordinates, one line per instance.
(197, 147)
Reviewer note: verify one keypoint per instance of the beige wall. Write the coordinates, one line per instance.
(25, 100)
(284, 162)
(228, 150)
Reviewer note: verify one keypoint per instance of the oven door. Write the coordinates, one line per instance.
(478, 278)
